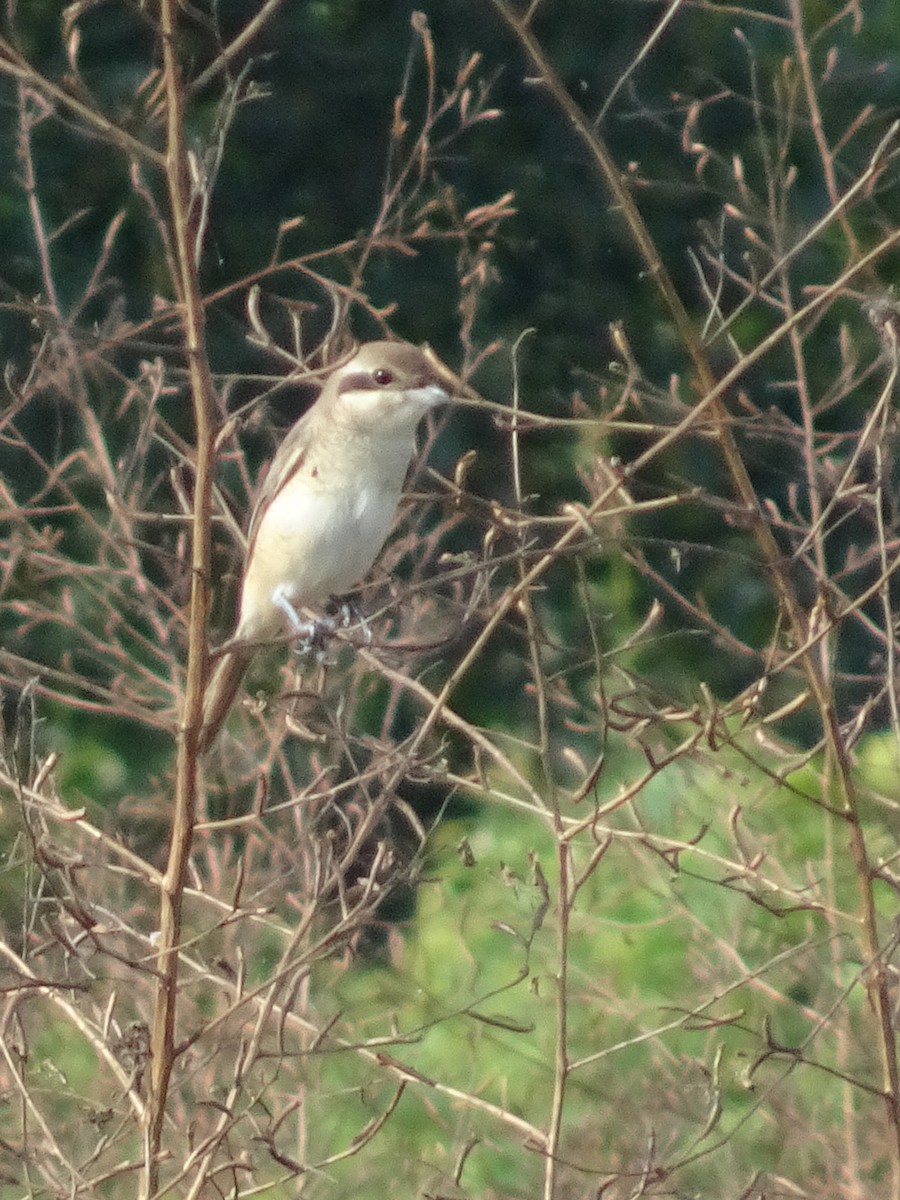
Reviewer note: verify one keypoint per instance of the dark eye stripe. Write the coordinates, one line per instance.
(358, 381)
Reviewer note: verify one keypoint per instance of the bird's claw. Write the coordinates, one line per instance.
(313, 636)
(317, 635)
(346, 614)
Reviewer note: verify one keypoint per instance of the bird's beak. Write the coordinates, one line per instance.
(430, 396)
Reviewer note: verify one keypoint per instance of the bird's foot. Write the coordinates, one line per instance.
(311, 635)
(345, 613)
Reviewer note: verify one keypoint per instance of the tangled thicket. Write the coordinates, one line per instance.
(578, 878)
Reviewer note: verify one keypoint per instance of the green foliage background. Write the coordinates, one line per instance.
(678, 969)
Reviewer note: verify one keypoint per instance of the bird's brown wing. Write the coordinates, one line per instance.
(287, 460)
(226, 679)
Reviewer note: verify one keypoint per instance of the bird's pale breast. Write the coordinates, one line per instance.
(314, 543)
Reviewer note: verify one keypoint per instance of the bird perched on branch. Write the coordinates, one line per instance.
(327, 503)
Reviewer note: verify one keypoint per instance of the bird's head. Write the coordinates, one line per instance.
(386, 385)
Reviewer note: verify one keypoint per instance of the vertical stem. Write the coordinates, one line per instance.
(539, 682)
(561, 1054)
(184, 216)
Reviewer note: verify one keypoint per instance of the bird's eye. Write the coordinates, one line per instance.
(383, 376)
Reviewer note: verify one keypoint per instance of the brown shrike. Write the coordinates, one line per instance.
(326, 504)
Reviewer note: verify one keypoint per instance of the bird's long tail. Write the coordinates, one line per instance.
(221, 691)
